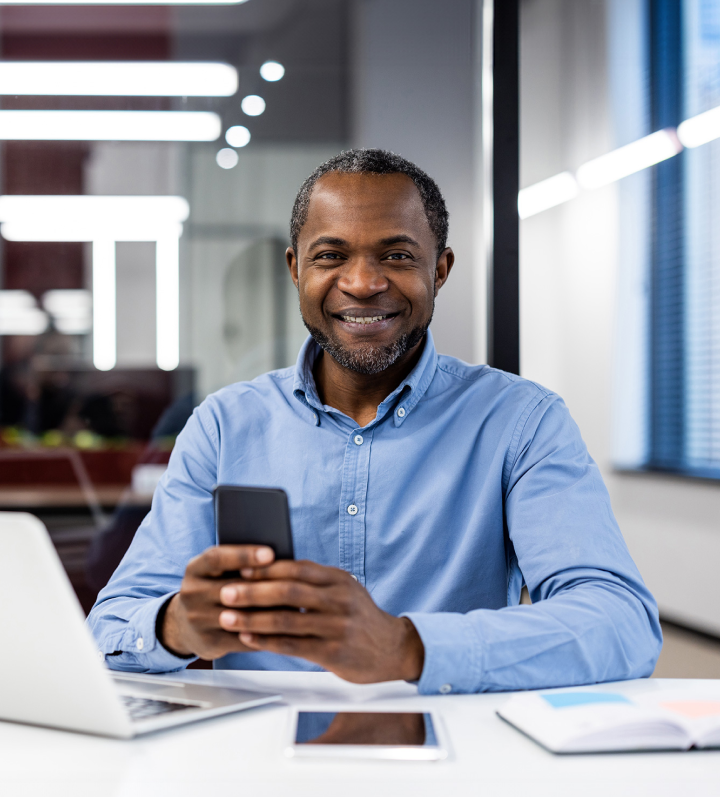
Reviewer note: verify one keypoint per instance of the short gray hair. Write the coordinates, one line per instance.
(375, 161)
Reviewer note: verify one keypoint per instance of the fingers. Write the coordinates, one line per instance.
(308, 648)
(284, 623)
(275, 593)
(287, 569)
(218, 560)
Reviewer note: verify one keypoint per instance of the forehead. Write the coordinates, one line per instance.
(357, 205)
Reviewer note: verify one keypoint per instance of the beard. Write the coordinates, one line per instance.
(366, 358)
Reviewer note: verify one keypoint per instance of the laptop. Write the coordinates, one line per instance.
(51, 672)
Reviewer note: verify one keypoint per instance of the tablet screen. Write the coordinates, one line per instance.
(413, 729)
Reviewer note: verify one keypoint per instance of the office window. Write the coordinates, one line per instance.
(669, 368)
(149, 159)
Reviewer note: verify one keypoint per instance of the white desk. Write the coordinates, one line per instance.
(243, 754)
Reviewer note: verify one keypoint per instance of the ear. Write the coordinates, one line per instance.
(291, 259)
(442, 269)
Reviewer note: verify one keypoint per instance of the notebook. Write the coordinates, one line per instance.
(594, 721)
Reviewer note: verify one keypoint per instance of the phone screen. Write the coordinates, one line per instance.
(413, 729)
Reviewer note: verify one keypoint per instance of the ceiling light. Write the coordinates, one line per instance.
(253, 105)
(109, 126)
(238, 136)
(272, 71)
(629, 159)
(546, 194)
(700, 129)
(227, 158)
(19, 315)
(88, 218)
(122, 2)
(71, 310)
(104, 285)
(122, 78)
(167, 302)
(104, 220)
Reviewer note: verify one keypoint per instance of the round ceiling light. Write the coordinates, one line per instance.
(252, 105)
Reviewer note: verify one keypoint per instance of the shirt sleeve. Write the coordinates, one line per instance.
(592, 619)
(180, 525)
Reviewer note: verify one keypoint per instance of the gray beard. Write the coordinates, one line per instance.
(368, 359)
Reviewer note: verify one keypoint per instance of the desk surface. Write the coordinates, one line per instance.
(243, 754)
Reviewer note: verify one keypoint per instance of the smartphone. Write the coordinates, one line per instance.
(404, 736)
(253, 516)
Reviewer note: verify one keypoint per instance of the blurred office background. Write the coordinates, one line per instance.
(121, 312)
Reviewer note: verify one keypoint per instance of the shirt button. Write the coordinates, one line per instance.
(140, 644)
(101, 655)
(401, 412)
(352, 509)
(445, 689)
(358, 439)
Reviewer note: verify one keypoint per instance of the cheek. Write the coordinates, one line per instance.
(312, 294)
(421, 292)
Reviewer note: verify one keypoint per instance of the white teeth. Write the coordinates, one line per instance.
(363, 319)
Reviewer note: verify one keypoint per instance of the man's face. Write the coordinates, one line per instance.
(367, 269)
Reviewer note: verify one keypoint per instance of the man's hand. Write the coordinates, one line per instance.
(191, 625)
(338, 626)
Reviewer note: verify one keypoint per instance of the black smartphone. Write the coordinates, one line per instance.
(253, 516)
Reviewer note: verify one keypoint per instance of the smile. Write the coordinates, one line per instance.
(365, 319)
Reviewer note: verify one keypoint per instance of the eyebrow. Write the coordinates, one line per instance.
(329, 240)
(399, 239)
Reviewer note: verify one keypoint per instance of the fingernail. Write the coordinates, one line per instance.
(247, 572)
(246, 639)
(264, 555)
(227, 619)
(228, 594)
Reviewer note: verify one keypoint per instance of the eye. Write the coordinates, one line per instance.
(398, 256)
(329, 256)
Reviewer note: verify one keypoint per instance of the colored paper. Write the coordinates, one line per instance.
(568, 699)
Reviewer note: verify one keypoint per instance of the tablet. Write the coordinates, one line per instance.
(389, 735)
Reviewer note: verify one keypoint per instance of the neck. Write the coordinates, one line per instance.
(358, 395)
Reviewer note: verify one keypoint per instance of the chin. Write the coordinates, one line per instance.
(368, 357)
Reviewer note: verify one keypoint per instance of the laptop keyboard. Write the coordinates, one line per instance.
(141, 708)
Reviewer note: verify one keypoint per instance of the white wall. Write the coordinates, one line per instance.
(415, 93)
(570, 258)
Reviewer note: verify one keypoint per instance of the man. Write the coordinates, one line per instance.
(423, 491)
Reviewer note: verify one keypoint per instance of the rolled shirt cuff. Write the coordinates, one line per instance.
(453, 653)
(137, 648)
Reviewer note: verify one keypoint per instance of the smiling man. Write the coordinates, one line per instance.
(423, 491)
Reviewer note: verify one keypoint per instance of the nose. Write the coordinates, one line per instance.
(362, 278)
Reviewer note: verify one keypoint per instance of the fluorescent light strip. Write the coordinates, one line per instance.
(167, 313)
(700, 129)
(546, 194)
(123, 2)
(104, 305)
(122, 78)
(105, 220)
(109, 126)
(627, 160)
(87, 217)
(619, 163)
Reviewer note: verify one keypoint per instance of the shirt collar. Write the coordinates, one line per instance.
(406, 395)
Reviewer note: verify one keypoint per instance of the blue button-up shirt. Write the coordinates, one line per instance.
(468, 483)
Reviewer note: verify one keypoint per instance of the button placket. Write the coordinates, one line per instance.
(353, 501)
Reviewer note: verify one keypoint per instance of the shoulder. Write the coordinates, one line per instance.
(492, 384)
(241, 401)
